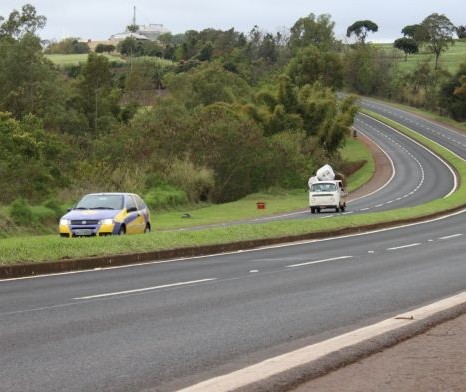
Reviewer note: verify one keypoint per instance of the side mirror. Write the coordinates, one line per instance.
(132, 209)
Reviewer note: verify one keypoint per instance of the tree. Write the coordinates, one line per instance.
(311, 65)
(440, 31)
(361, 29)
(68, 46)
(313, 30)
(104, 48)
(407, 45)
(22, 22)
(98, 99)
(461, 31)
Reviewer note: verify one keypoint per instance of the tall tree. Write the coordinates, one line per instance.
(461, 31)
(440, 31)
(22, 22)
(313, 30)
(407, 45)
(361, 29)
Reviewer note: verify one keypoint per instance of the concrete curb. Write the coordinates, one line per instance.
(288, 371)
(61, 266)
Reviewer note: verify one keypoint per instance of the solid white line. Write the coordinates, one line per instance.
(309, 354)
(146, 289)
(389, 180)
(450, 236)
(319, 261)
(455, 177)
(405, 246)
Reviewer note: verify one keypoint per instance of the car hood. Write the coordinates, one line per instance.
(90, 214)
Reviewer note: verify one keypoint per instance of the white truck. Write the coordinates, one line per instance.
(326, 192)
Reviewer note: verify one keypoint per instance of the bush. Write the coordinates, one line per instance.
(21, 212)
(197, 182)
(165, 197)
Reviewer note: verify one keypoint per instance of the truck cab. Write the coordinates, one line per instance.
(327, 194)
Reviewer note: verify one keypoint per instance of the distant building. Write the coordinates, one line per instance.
(153, 31)
(122, 36)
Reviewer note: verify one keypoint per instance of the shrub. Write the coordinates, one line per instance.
(165, 197)
(197, 182)
(21, 212)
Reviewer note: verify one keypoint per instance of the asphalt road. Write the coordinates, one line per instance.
(163, 326)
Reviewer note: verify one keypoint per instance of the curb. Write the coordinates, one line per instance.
(290, 370)
(61, 266)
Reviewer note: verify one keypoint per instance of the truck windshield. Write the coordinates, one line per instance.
(324, 187)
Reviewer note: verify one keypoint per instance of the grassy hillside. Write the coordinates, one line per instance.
(449, 60)
(75, 59)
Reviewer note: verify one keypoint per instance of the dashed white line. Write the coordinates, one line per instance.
(146, 289)
(404, 246)
(319, 261)
(450, 236)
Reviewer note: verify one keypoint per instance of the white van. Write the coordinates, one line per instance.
(327, 194)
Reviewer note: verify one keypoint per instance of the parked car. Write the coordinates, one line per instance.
(99, 214)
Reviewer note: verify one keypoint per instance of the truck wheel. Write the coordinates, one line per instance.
(342, 208)
(313, 210)
(318, 210)
(337, 209)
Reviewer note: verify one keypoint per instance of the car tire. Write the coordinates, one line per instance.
(147, 229)
(122, 230)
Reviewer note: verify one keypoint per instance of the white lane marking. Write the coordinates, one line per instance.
(389, 180)
(404, 246)
(450, 236)
(258, 249)
(253, 271)
(242, 378)
(146, 289)
(319, 261)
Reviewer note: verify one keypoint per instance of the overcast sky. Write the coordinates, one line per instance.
(99, 19)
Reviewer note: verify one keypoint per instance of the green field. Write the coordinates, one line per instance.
(449, 60)
(76, 59)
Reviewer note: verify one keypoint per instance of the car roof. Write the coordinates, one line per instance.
(110, 194)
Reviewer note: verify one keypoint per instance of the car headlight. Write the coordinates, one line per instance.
(106, 222)
(64, 222)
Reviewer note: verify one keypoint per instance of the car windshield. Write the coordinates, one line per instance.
(105, 202)
(325, 187)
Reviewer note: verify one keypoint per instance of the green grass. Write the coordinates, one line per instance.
(449, 60)
(76, 59)
(355, 151)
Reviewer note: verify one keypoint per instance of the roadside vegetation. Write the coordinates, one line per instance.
(194, 119)
(49, 248)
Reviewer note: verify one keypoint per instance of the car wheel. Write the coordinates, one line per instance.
(122, 230)
(147, 229)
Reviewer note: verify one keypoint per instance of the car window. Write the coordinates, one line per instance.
(130, 203)
(139, 202)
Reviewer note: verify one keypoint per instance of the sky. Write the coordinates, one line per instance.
(99, 19)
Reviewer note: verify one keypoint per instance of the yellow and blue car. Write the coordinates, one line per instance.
(99, 214)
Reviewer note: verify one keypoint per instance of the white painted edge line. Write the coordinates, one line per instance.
(391, 164)
(405, 246)
(304, 356)
(259, 249)
(146, 289)
(319, 261)
(455, 177)
(432, 123)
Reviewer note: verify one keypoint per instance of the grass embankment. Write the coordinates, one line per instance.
(449, 60)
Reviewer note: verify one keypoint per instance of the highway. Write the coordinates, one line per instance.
(168, 325)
